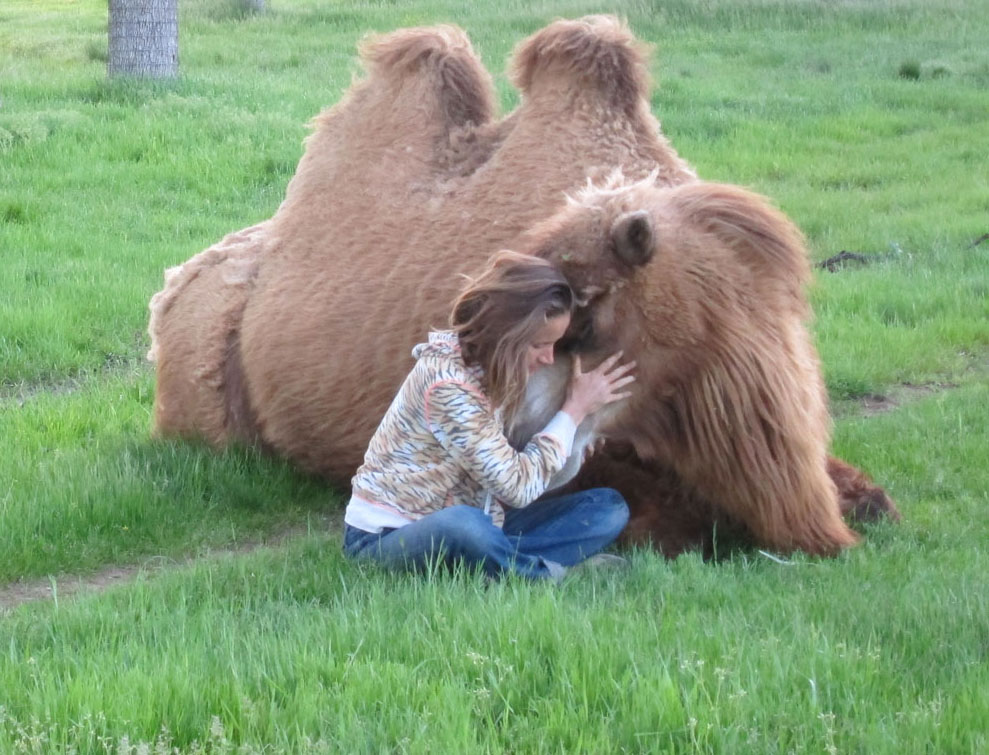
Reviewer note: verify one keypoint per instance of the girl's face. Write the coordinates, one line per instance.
(540, 351)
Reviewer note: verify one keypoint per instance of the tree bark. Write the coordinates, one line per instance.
(144, 38)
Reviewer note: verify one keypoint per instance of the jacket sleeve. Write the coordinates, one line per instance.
(462, 420)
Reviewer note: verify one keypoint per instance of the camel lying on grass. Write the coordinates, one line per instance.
(296, 333)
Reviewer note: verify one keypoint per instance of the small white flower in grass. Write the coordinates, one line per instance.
(248, 706)
(163, 743)
(828, 719)
(936, 705)
(216, 731)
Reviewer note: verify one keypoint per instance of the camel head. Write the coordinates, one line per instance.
(690, 281)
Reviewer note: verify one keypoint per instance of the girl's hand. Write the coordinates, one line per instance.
(590, 391)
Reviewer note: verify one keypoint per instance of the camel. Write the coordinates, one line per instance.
(296, 333)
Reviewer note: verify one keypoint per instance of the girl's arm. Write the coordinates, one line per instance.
(462, 420)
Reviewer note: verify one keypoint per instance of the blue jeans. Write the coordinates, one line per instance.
(537, 541)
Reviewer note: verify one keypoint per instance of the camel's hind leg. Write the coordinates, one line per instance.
(861, 500)
(194, 323)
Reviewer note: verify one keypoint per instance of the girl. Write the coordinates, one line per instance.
(440, 480)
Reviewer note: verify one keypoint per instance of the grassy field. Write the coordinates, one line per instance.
(864, 120)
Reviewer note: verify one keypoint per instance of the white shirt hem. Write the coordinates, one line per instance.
(373, 517)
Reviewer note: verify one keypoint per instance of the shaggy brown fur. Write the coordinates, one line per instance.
(381, 216)
(195, 323)
(703, 284)
(297, 332)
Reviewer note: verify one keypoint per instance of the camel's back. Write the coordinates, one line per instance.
(368, 250)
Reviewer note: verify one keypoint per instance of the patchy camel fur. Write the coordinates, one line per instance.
(296, 333)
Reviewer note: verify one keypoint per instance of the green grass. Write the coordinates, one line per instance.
(84, 485)
(865, 121)
(292, 646)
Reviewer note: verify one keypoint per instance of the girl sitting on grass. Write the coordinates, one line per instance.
(440, 481)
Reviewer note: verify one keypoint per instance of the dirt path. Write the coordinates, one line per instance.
(21, 392)
(64, 586)
(898, 395)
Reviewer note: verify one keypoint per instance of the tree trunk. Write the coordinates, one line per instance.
(144, 38)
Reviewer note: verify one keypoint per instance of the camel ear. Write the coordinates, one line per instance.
(632, 237)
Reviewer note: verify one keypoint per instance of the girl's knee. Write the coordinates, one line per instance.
(461, 516)
(465, 529)
(613, 510)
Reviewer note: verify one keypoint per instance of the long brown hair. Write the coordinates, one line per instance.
(498, 315)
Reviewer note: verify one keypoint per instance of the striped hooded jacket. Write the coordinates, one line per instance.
(442, 443)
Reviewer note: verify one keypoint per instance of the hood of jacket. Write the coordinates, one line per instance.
(440, 344)
(444, 346)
